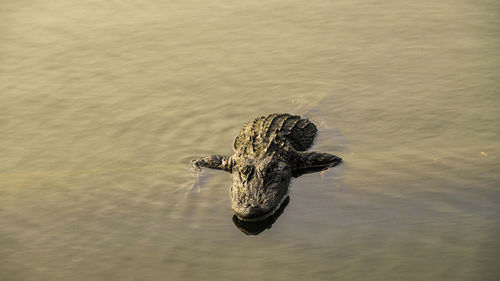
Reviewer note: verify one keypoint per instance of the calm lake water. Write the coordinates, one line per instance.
(104, 103)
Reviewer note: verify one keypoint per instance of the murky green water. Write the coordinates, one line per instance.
(104, 103)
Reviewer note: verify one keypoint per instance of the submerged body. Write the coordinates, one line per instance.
(268, 152)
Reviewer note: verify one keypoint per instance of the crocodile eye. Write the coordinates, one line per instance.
(266, 170)
(246, 170)
(269, 169)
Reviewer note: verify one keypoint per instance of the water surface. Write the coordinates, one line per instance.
(103, 104)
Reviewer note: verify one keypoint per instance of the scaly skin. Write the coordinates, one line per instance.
(268, 152)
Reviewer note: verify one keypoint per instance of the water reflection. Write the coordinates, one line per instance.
(256, 227)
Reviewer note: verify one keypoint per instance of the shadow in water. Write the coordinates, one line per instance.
(256, 227)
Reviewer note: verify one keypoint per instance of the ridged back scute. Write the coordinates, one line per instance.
(299, 132)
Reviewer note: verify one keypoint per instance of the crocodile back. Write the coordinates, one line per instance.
(268, 133)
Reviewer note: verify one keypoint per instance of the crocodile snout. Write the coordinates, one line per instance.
(251, 212)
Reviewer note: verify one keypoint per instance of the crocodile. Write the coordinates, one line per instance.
(268, 152)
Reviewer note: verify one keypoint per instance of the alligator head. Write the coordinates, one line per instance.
(259, 187)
